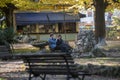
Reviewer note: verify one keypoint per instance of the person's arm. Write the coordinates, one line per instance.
(52, 41)
(61, 41)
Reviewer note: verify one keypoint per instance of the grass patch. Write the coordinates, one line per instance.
(25, 50)
(112, 45)
(2, 79)
(99, 61)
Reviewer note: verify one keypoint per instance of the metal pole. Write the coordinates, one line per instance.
(64, 20)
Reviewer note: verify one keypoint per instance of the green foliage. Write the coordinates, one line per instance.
(9, 34)
(113, 32)
(116, 21)
(109, 4)
(23, 51)
(2, 79)
(2, 37)
(98, 53)
(50, 5)
(6, 35)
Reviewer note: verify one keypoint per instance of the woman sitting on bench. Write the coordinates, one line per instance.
(60, 44)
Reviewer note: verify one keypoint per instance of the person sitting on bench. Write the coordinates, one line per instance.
(60, 44)
(52, 42)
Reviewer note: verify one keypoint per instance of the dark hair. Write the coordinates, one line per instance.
(51, 34)
(59, 35)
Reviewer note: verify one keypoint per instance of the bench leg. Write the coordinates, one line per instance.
(83, 77)
(43, 77)
(29, 76)
(68, 77)
(79, 78)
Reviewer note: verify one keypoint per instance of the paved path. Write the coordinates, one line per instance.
(24, 76)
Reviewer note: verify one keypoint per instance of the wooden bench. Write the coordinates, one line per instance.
(40, 45)
(5, 51)
(66, 47)
(52, 64)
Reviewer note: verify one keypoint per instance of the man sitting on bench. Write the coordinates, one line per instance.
(52, 42)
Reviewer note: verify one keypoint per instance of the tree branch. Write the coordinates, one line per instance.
(94, 3)
(116, 1)
(106, 3)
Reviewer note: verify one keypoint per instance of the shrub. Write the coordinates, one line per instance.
(9, 34)
(6, 35)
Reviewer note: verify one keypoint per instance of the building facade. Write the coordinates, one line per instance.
(40, 24)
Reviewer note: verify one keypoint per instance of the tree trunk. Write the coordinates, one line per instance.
(100, 22)
(9, 17)
(8, 12)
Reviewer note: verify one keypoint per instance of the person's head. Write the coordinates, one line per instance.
(59, 36)
(51, 35)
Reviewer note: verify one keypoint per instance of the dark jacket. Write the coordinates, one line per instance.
(59, 42)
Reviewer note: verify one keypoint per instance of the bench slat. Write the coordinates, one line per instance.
(52, 68)
(50, 58)
(58, 72)
(4, 49)
(49, 61)
(47, 55)
(53, 65)
(4, 52)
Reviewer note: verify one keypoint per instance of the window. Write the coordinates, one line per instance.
(49, 28)
(89, 14)
(70, 27)
(67, 27)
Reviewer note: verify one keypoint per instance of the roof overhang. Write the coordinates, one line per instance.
(27, 18)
